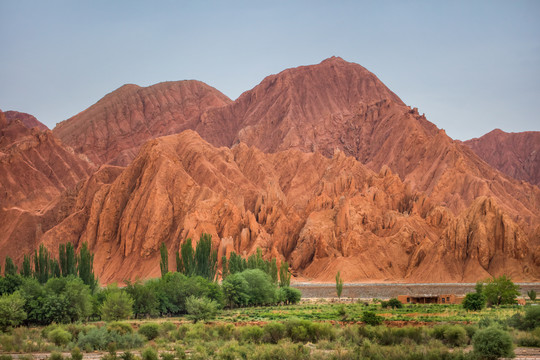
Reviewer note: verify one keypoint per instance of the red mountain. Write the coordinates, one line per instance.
(322, 166)
(37, 172)
(321, 214)
(515, 154)
(27, 120)
(113, 129)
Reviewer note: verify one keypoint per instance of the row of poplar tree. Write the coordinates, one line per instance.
(46, 266)
(203, 261)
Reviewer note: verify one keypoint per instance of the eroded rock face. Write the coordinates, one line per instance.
(515, 154)
(112, 130)
(321, 214)
(38, 177)
(35, 167)
(481, 242)
(28, 120)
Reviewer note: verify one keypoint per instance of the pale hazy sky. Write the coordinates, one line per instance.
(470, 66)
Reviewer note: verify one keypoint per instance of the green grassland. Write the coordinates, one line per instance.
(309, 330)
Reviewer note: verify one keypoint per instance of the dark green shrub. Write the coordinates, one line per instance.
(370, 318)
(492, 343)
(304, 330)
(471, 330)
(149, 353)
(11, 310)
(118, 305)
(290, 295)
(6, 357)
(149, 330)
(167, 356)
(100, 338)
(273, 332)
(128, 356)
(59, 337)
(394, 336)
(251, 334)
(474, 301)
(55, 355)
(531, 320)
(201, 308)
(527, 340)
(261, 289)
(76, 354)
(394, 303)
(282, 351)
(456, 336)
(120, 327)
(224, 331)
(166, 327)
(232, 351)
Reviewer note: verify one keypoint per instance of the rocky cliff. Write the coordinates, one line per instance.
(514, 154)
(321, 214)
(38, 174)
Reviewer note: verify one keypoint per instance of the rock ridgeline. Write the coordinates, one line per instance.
(514, 154)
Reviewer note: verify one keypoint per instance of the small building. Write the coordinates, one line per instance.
(430, 299)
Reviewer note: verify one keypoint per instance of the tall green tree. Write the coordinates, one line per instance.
(236, 263)
(41, 264)
(273, 271)
(532, 295)
(54, 267)
(224, 268)
(501, 291)
(284, 275)
(85, 267)
(339, 285)
(26, 269)
(9, 268)
(206, 258)
(67, 259)
(186, 264)
(164, 263)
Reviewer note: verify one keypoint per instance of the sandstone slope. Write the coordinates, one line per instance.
(112, 130)
(515, 154)
(321, 214)
(37, 175)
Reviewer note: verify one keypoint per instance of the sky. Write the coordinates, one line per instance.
(470, 66)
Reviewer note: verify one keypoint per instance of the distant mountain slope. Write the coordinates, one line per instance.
(28, 120)
(113, 129)
(515, 154)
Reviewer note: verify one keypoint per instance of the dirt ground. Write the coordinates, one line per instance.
(389, 290)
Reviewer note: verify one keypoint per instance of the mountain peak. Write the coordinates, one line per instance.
(334, 59)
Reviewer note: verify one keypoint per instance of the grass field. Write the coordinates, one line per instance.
(310, 330)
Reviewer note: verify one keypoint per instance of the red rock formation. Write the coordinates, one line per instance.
(483, 241)
(515, 154)
(321, 214)
(37, 174)
(28, 120)
(113, 129)
(342, 176)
